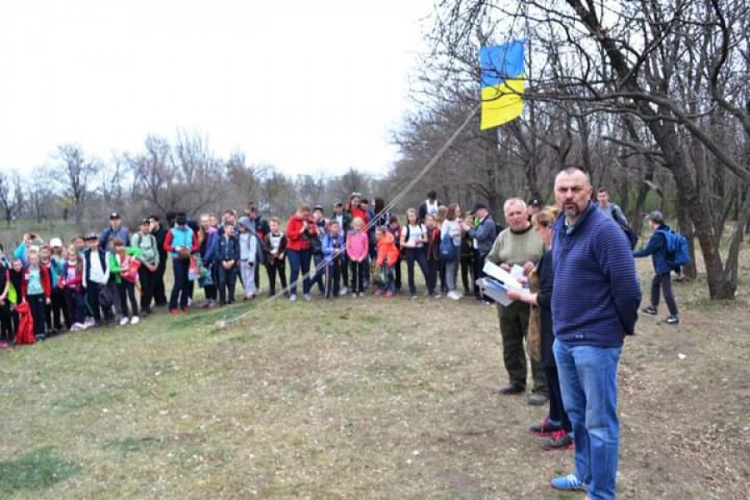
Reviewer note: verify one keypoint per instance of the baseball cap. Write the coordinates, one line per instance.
(55, 242)
(181, 219)
(90, 236)
(114, 215)
(318, 207)
(145, 221)
(534, 203)
(338, 203)
(478, 206)
(245, 222)
(656, 216)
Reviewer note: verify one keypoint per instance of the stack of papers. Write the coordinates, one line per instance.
(499, 281)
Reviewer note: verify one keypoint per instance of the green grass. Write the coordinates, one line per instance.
(35, 470)
(365, 398)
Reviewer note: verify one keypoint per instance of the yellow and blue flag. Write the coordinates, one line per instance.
(503, 83)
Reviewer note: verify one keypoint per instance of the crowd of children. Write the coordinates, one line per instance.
(116, 277)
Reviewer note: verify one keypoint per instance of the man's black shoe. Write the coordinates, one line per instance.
(512, 389)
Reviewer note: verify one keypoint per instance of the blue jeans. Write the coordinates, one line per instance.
(299, 259)
(588, 380)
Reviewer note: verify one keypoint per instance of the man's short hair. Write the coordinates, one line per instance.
(275, 219)
(513, 201)
(154, 218)
(602, 190)
(432, 195)
(573, 169)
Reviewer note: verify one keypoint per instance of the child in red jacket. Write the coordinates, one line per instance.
(388, 256)
(36, 290)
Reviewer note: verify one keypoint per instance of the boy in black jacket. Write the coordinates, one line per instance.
(274, 245)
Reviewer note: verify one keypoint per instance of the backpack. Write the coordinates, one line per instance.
(631, 235)
(448, 251)
(106, 297)
(678, 249)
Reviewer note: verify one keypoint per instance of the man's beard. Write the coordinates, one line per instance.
(572, 210)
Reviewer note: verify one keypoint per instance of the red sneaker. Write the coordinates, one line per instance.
(389, 294)
(560, 440)
(545, 428)
(174, 312)
(378, 292)
(185, 309)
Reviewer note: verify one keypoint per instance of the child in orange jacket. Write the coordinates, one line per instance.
(388, 257)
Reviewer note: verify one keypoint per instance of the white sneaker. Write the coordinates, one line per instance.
(124, 321)
(89, 322)
(343, 291)
(292, 298)
(307, 297)
(76, 327)
(135, 320)
(454, 296)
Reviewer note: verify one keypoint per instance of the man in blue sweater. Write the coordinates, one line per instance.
(594, 305)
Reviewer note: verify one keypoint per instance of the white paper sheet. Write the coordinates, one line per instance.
(502, 275)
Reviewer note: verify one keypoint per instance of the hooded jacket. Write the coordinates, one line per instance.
(388, 253)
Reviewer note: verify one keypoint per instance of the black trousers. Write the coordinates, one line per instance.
(358, 276)
(58, 311)
(433, 271)
(467, 273)
(663, 282)
(416, 255)
(160, 294)
(181, 287)
(76, 305)
(7, 333)
(274, 267)
(227, 284)
(557, 411)
(333, 277)
(92, 302)
(397, 273)
(38, 306)
(126, 290)
(212, 291)
(148, 284)
(479, 273)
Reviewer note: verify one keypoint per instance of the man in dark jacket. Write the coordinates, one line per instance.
(429, 206)
(657, 249)
(114, 230)
(483, 236)
(594, 305)
(160, 233)
(259, 226)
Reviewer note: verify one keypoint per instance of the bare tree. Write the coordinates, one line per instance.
(78, 172)
(10, 197)
(678, 68)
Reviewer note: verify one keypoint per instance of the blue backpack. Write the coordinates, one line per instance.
(678, 249)
(448, 251)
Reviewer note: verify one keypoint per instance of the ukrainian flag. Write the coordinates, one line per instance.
(503, 83)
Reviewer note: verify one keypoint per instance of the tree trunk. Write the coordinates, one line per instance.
(685, 227)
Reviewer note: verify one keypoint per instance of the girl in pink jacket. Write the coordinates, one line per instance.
(357, 246)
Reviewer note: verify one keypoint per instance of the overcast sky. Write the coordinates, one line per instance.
(307, 86)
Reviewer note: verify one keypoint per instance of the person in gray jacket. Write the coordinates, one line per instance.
(483, 235)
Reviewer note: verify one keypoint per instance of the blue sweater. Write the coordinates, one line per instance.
(657, 249)
(596, 294)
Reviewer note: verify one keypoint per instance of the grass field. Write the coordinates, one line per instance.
(357, 398)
